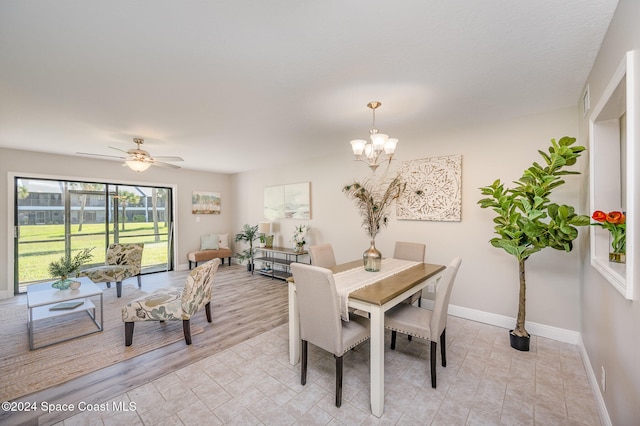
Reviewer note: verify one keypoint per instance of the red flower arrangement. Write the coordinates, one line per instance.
(615, 223)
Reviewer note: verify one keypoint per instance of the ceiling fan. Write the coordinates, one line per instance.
(138, 159)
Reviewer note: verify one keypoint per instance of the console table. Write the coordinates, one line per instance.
(276, 261)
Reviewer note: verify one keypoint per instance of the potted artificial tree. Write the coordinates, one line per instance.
(527, 221)
(66, 267)
(248, 235)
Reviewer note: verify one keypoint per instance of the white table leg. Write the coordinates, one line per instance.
(377, 360)
(294, 327)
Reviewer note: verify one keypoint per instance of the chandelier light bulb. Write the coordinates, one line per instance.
(358, 146)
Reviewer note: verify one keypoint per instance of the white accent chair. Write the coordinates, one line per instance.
(425, 324)
(320, 321)
(322, 255)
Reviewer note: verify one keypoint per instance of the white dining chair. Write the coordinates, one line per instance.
(320, 321)
(415, 252)
(429, 325)
(322, 255)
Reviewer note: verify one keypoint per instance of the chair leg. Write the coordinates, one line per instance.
(303, 364)
(186, 328)
(338, 381)
(119, 288)
(128, 333)
(139, 282)
(433, 364)
(393, 339)
(190, 265)
(207, 310)
(443, 351)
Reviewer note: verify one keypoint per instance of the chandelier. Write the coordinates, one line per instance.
(380, 149)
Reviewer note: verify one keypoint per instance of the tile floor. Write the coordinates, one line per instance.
(485, 383)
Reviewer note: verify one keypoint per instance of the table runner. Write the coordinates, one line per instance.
(356, 278)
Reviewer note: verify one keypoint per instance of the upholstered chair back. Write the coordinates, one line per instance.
(126, 255)
(198, 288)
(409, 251)
(441, 304)
(319, 307)
(322, 255)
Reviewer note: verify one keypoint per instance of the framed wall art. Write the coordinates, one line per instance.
(434, 189)
(291, 201)
(205, 202)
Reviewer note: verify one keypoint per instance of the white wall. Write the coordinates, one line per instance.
(610, 324)
(188, 231)
(488, 278)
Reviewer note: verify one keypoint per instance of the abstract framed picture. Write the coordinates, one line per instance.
(291, 201)
(274, 202)
(205, 202)
(434, 189)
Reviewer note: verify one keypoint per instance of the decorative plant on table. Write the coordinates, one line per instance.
(615, 223)
(65, 267)
(299, 237)
(248, 235)
(373, 199)
(527, 221)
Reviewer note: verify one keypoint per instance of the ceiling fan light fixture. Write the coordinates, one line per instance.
(137, 165)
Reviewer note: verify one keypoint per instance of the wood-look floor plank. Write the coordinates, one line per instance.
(243, 306)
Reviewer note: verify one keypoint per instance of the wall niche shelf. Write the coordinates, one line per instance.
(614, 170)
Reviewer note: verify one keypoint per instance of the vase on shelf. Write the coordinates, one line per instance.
(618, 248)
(372, 258)
(299, 248)
(269, 241)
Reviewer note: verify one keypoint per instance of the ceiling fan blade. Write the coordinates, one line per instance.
(118, 149)
(165, 165)
(100, 155)
(165, 158)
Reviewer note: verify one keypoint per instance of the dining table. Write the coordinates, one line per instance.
(373, 293)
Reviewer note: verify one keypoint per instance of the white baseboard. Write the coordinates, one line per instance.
(5, 294)
(542, 330)
(595, 387)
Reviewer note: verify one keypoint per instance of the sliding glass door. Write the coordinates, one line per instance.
(56, 219)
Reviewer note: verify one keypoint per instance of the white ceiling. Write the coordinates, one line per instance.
(232, 85)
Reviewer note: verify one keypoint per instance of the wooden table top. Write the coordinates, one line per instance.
(386, 289)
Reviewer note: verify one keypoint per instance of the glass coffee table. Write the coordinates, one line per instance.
(44, 301)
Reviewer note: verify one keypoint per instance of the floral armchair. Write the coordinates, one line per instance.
(122, 261)
(174, 303)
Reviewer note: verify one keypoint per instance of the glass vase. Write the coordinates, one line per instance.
(617, 254)
(372, 258)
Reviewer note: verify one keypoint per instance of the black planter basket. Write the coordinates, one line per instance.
(519, 343)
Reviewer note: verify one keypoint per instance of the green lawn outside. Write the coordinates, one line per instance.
(34, 257)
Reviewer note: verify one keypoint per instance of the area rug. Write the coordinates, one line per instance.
(24, 371)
